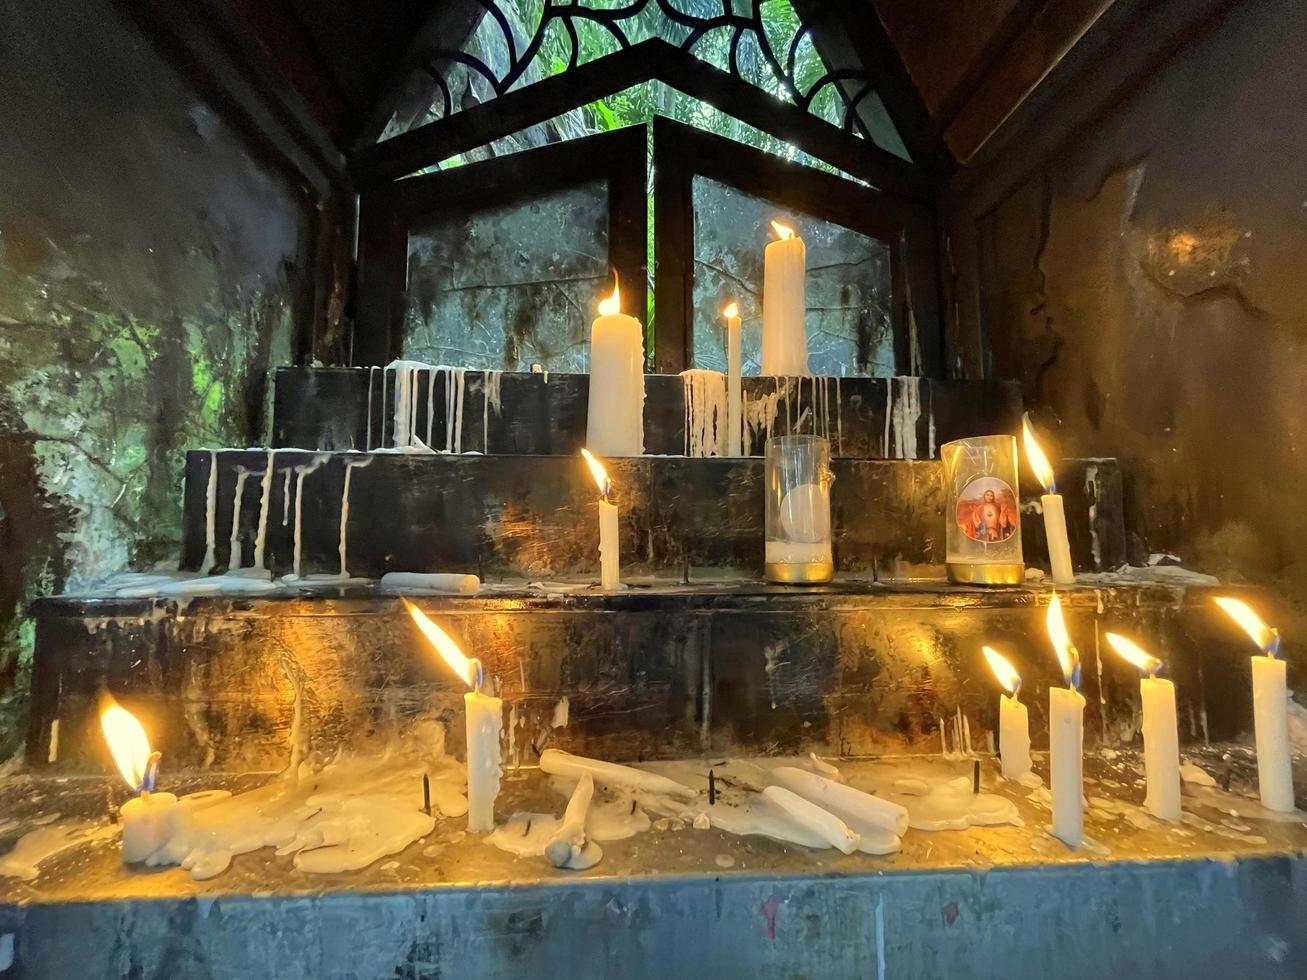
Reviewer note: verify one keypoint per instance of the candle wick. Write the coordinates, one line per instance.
(151, 774)
(712, 788)
(1273, 646)
(426, 794)
(975, 777)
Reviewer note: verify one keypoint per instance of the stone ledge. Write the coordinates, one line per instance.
(1005, 900)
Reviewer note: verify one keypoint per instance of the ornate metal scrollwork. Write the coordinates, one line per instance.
(686, 29)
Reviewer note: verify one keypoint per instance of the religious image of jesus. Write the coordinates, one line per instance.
(991, 517)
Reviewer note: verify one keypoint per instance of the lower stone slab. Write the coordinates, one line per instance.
(536, 515)
(986, 902)
(657, 671)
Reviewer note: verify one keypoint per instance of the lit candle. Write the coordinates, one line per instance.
(610, 558)
(616, 409)
(484, 717)
(1270, 708)
(734, 412)
(1066, 723)
(1161, 733)
(1013, 719)
(784, 336)
(150, 819)
(1059, 548)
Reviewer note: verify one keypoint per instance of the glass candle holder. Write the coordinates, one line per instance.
(983, 511)
(798, 481)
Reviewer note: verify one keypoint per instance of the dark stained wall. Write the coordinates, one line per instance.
(1146, 284)
(150, 272)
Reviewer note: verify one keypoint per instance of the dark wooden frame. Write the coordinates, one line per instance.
(682, 152)
(388, 213)
(651, 60)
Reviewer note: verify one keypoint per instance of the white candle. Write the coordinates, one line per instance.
(1066, 708)
(825, 824)
(1059, 547)
(1270, 716)
(569, 840)
(734, 411)
(148, 822)
(610, 561)
(150, 819)
(559, 763)
(1066, 730)
(1013, 719)
(1161, 733)
(484, 719)
(856, 808)
(615, 425)
(1270, 709)
(784, 335)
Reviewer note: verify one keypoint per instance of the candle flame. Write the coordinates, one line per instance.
(444, 645)
(1007, 674)
(1035, 456)
(731, 310)
(785, 232)
(599, 473)
(1266, 638)
(1067, 655)
(128, 743)
(1134, 653)
(613, 304)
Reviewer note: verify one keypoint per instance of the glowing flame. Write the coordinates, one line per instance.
(1007, 674)
(1267, 639)
(1134, 653)
(1035, 456)
(731, 311)
(445, 646)
(613, 304)
(128, 742)
(784, 232)
(599, 473)
(1067, 655)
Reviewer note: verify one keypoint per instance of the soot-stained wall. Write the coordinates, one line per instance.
(147, 269)
(1147, 286)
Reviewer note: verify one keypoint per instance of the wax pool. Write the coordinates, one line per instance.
(1066, 763)
(484, 762)
(784, 336)
(616, 408)
(1270, 715)
(1014, 738)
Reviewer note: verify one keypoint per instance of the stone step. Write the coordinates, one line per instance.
(344, 409)
(655, 671)
(536, 516)
(687, 903)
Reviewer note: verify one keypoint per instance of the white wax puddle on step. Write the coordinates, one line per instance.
(934, 799)
(37, 846)
(345, 816)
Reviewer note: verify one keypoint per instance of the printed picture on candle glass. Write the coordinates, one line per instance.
(987, 510)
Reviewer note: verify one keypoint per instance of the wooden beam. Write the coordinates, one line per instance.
(652, 60)
(448, 24)
(387, 213)
(1029, 59)
(848, 34)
